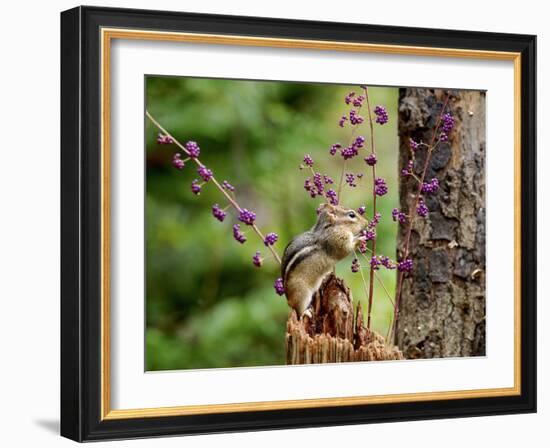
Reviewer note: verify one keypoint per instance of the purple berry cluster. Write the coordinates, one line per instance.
(413, 144)
(358, 101)
(405, 265)
(359, 142)
(318, 182)
(316, 186)
(422, 209)
(164, 139)
(381, 260)
(196, 187)
(227, 186)
(257, 259)
(335, 148)
(381, 114)
(350, 180)
(407, 171)
(371, 159)
(177, 161)
(279, 287)
(247, 216)
(355, 118)
(218, 213)
(310, 188)
(308, 160)
(270, 239)
(361, 210)
(238, 235)
(355, 266)
(205, 173)
(368, 234)
(386, 262)
(349, 97)
(398, 215)
(342, 121)
(193, 149)
(375, 220)
(431, 186)
(448, 123)
(380, 187)
(332, 196)
(349, 152)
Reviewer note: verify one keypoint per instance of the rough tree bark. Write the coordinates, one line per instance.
(443, 300)
(335, 333)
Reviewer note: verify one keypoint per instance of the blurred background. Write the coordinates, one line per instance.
(207, 305)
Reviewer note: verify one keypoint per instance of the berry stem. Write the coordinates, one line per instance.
(380, 281)
(362, 275)
(231, 200)
(384, 287)
(341, 181)
(373, 150)
(324, 192)
(413, 214)
(415, 177)
(342, 173)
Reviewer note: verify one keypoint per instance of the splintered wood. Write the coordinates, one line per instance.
(333, 334)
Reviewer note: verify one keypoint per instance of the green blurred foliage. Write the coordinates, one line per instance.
(207, 305)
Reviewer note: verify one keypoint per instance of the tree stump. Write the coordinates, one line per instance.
(442, 309)
(335, 333)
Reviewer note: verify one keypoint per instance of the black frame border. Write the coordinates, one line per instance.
(81, 223)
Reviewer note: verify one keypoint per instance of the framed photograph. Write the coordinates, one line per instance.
(276, 224)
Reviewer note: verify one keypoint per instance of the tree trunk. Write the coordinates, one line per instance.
(442, 310)
(332, 334)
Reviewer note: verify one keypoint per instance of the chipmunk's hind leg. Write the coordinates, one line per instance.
(299, 296)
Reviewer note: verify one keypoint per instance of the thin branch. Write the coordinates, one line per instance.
(362, 277)
(415, 177)
(380, 280)
(344, 164)
(232, 201)
(373, 150)
(384, 286)
(413, 213)
(341, 181)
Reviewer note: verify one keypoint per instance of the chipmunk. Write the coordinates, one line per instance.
(312, 255)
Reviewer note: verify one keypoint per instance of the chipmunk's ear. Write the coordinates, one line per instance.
(325, 207)
(329, 211)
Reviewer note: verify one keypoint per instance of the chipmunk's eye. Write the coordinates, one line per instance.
(351, 215)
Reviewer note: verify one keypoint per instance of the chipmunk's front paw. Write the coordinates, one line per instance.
(308, 313)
